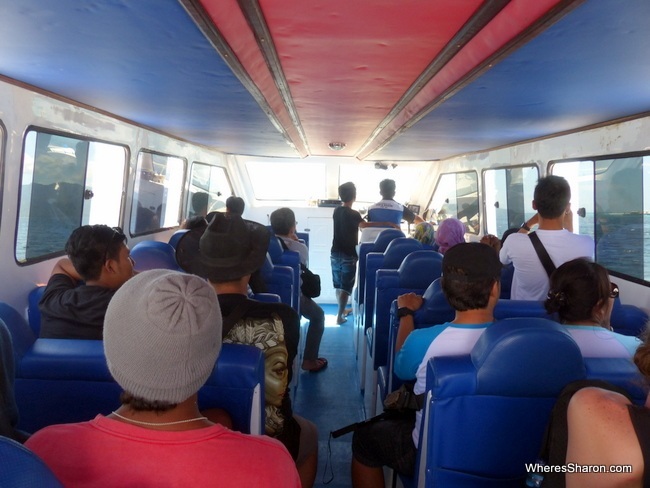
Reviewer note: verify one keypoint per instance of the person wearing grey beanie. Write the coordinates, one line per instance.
(162, 337)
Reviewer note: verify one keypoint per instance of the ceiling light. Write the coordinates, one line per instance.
(337, 146)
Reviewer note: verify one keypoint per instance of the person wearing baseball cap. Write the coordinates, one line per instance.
(471, 274)
(162, 337)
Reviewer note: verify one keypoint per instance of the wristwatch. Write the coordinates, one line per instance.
(404, 311)
(525, 227)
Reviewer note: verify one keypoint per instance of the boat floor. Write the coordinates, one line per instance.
(332, 399)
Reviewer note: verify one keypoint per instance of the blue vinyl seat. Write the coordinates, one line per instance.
(21, 468)
(67, 380)
(378, 245)
(281, 257)
(415, 274)
(498, 399)
(279, 280)
(176, 236)
(391, 258)
(154, 255)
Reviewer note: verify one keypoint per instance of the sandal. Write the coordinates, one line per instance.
(322, 364)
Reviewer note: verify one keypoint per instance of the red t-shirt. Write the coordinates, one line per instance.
(108, 453)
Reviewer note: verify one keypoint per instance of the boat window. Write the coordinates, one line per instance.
(508, 197)
(66, 182)
(366, 179)
(456, 195)
(610, 199)
(209, 189)
(157, 193)
(301, 181)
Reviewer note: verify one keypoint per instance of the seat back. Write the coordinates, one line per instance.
(416, 272)
(67, 380)
(237, 385)
(33, 311)
(154, 255)
(628, 319)
(498, 400)
(282, 257)
(396, 250)
(176, 236)
(21, 468)
(279, 280)
(378, 245)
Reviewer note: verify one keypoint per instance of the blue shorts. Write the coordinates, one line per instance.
(344, 267)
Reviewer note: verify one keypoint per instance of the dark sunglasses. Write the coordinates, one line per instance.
(614, 292)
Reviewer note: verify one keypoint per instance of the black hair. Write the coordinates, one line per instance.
(348, 192)
(282, 221)
(141, 405)
(576, 288)
(200, 201)
(89, 246)
(235, 205)
(467, 295)
(552, 195)
(387, 188)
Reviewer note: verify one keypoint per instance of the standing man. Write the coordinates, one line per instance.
(344, 257)
(388, 210)
(552, 200)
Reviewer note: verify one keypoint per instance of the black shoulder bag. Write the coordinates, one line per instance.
(542, 254)
(310, 282)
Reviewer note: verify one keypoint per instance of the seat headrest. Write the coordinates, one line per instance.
(526, 357)
(154, 255)
(420, 267)
(398, 249)
(384, 238)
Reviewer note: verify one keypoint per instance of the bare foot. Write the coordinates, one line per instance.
(315, 365)
(341, 320)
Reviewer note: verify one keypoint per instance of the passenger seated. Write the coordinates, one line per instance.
(451, 231)
(283, 222)
(425, 233)
(470, 282)
(583, 297)
(226, 254)
(81, 286)
(162, 339)
(600, 426)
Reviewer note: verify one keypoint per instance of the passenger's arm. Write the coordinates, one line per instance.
(363, 224)
(530, 223)
(64, 266)
(493, 241)
(406, 323)
(600, 432)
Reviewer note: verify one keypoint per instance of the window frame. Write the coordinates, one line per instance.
(19, 196)
(468, 229)
(484, 186)
(594, 159)
(183, 190)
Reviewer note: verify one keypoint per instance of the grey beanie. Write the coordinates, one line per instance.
(162, 335)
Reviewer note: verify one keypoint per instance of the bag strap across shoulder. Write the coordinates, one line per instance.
(542, 253)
